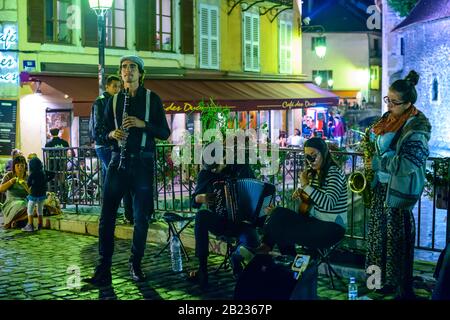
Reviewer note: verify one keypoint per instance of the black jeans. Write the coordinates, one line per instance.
(286, 228)
(207, 221)
(138, 179)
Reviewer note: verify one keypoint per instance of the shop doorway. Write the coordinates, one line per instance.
(61, 119)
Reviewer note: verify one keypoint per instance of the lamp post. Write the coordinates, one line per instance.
(101, 7)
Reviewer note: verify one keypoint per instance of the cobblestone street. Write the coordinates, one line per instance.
(38, 266)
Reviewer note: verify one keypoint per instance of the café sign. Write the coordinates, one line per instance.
(9, 60)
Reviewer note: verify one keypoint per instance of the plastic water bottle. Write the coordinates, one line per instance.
(175, 254)
(352, 289)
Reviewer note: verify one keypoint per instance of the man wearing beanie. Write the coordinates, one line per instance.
(131, 166)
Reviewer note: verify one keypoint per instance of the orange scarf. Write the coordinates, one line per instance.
(390, 123)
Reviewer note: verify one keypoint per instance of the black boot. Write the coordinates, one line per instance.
(101, 278)
(136, 271)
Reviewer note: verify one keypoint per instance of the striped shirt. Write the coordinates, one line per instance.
(330, 200)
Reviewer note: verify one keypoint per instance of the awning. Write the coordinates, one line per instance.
(185, 96)
(346, 94)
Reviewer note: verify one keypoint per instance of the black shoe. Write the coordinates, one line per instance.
(386, 290)
(199, 277)
(102, 278)
(136, 272)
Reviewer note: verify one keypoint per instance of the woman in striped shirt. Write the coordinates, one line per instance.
(326, 186)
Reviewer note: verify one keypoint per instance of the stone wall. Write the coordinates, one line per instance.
(427, 50)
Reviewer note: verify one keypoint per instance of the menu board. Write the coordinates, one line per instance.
(8, 111)
(84, 139)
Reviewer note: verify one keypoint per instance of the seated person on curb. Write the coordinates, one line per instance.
(324, 186)
(208, 221)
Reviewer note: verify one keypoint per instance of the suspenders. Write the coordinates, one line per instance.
(147, 115)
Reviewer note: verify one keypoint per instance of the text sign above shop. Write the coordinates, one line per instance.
(9, 61)
(8, 112)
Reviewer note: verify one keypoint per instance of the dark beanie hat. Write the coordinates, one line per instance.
(319, 144)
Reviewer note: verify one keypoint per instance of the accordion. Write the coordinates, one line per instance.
(241, 200)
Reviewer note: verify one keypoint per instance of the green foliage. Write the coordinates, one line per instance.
(438, 176)
(402, 7)
(214, 116)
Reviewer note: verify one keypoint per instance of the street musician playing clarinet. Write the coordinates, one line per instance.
(134, 118)
(324, 186)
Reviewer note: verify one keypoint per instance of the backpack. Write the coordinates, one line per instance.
(266, 278)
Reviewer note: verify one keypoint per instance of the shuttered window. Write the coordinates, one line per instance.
(285, 41)
(145, 19)
(35, 21)
(187, 23)
(251, 41)
(209, 36)
(90, 33)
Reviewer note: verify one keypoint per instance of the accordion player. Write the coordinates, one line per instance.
(238, 200)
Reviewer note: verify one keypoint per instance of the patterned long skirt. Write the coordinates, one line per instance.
(390, 242)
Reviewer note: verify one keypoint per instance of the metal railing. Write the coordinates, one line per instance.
(79, 182)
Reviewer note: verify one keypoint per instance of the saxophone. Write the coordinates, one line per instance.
(123, 143)
(359, 182)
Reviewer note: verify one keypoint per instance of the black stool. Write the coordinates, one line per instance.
(323, 257)
(231, 247)
(171, 218)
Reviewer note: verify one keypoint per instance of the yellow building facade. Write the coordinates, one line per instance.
(191, 42)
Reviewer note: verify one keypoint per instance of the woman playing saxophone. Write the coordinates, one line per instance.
(402, 136)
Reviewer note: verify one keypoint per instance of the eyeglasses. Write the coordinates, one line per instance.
(311, 158)
(387, 101)
(131, 66)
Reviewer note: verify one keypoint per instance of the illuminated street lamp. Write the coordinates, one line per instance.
(321, 47)
(330, 83)
(320, 42)
(318, 80)
(101, 7)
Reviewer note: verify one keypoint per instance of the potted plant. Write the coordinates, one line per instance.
(437, 180)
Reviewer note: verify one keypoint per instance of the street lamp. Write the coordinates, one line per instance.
(320, 42)
(101, 7)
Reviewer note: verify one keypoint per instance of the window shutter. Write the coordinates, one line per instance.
(209, 37)
(145, 19)
(204, 39)
(285, 46)
(36, 21)
(247, 42)
(289, 46)
(90, 26)
(251, 42)
(214, 37)
(187, 26)
(255, 43)
(282, 46)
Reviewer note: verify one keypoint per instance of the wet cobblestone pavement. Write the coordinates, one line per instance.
(44, 266)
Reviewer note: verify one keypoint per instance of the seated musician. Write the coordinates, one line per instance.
(324, 186)
(207, 220)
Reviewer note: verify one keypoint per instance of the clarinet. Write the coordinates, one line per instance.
(122, 143)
